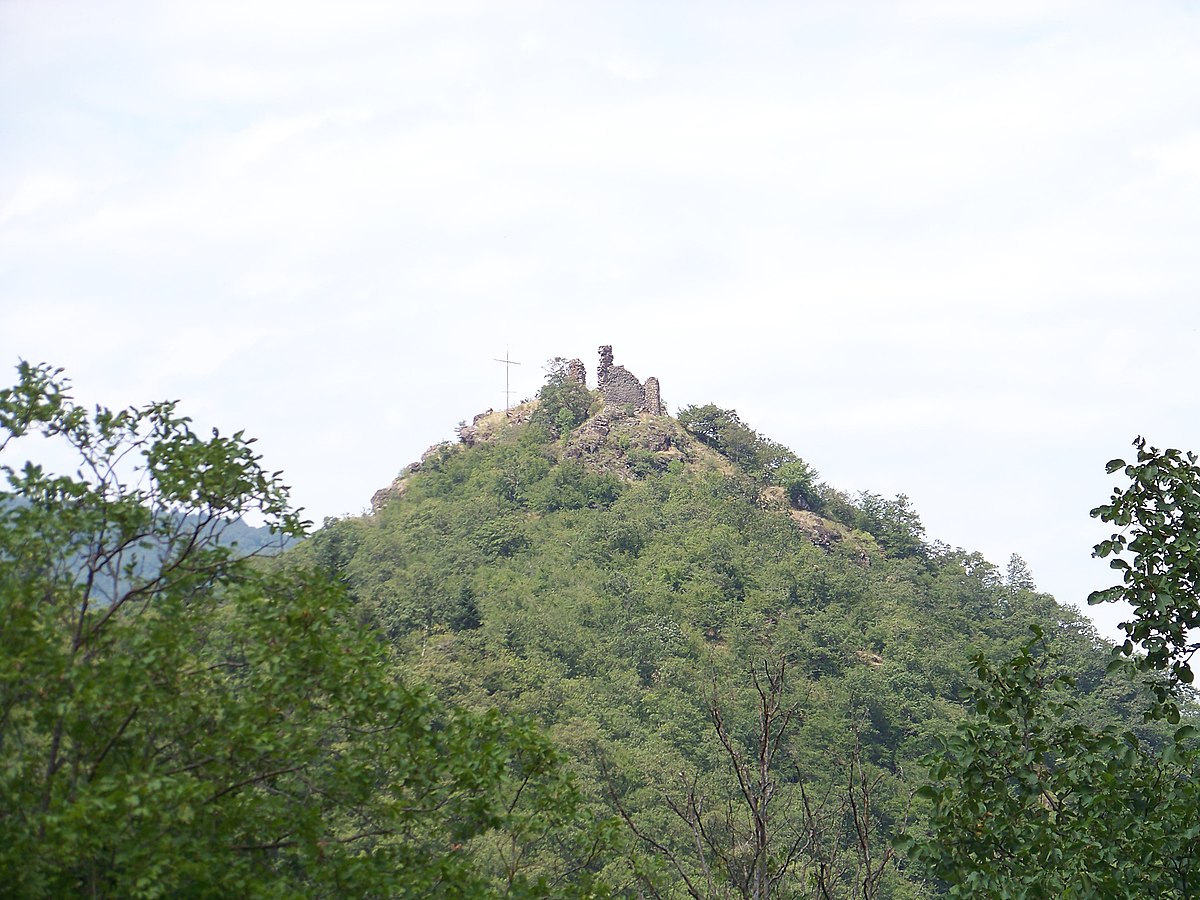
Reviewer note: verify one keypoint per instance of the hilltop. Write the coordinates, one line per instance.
(620, 575)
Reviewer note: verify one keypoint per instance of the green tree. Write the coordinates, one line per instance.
(1159, 517)
(799, 480)
(772, 835)
(894, 523)
(1018, 576)
(1026, 800)
(179, 719)
(563, 403)
(725, 432)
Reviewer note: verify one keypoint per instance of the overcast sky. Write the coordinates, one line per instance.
(941, 248)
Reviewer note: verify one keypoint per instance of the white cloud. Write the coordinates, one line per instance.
(36, 191)
(864, 227)
(629, 69)
(1176, 158)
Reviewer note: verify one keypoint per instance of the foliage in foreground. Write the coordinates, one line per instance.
(177, 719)
(1027, 801)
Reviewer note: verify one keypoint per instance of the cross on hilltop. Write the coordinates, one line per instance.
(508, 364)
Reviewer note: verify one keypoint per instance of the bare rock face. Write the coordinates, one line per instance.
(823, 533)
(438, 451)
(630, 447)
(489, 423)
(470, 434)
(384, 496)
(379, 499)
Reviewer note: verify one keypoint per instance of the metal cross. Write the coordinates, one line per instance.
(508, 364)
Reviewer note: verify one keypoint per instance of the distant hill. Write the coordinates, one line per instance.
(242, 538)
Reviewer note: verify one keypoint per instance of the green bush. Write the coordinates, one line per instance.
(563, 404)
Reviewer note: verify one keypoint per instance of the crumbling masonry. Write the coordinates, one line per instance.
(577, 372)
(621, 388)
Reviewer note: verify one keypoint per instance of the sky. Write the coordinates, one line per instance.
(937, 248)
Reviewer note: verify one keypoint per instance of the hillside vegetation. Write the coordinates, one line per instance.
(585, 652)
(645, 587)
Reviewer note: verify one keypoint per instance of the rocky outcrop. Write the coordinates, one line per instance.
(630, 447)
(645, 445)
(469, 434)
(489, 423)
(384, 496)
(822, 532)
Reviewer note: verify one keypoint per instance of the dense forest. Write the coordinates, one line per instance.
(585, 651)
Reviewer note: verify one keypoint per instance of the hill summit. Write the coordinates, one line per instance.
(621, 426)
(641, 584)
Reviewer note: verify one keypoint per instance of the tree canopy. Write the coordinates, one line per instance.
(1029, 799)
(178, 718)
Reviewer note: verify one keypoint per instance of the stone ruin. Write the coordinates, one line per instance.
(577, 372)
(620, 387)
(653, 404)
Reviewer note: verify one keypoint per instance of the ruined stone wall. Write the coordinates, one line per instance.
(577, 372)
(620, 387)
(606, 358)
(653, 402)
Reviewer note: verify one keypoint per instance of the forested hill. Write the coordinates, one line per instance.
(588, 651)
(646, 587)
